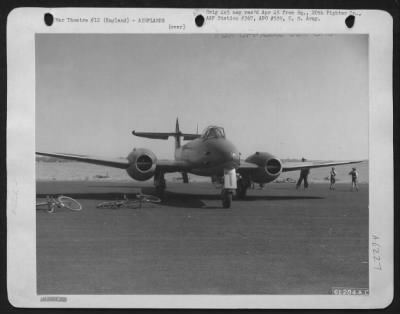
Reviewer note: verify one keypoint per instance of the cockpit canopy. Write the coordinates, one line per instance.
(213, 132)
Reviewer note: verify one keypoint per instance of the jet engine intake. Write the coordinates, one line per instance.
(273, 166)
(142, 164)
(269, 167)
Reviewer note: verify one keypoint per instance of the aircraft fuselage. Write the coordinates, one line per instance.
(208, 157)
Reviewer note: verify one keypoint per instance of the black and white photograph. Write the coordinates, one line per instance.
(234, 215)
(219, 164)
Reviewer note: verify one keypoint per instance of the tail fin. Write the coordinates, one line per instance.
(165, 135)
(177, 135)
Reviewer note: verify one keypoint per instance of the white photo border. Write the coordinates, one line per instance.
(24, 23)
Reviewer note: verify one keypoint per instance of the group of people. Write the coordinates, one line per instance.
(332, 177)
(354, 179)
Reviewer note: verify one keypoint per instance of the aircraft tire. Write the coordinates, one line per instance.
(226, 198)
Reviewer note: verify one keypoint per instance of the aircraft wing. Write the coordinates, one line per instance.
(114, 163)
(162, 165)
(172, 165)
(248, 167)
(292, 166)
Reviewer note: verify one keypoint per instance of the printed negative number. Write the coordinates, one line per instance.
(376, 253)
(350, 291)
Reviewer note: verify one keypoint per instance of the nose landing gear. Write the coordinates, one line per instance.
(229, 187)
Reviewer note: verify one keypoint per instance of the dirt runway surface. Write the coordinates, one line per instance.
(278, 240)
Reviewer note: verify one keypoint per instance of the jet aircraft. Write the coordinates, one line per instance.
(209, 154)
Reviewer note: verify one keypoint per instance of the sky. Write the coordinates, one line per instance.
(292, 96)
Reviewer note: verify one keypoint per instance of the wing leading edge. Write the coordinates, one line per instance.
(292, 166)
(248, 167)
(114, 163)
(162, 165)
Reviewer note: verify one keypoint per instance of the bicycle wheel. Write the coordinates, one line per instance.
(150, 198)
(69, 203)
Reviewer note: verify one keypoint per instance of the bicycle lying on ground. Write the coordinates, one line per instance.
(126, 203)
(60, 202)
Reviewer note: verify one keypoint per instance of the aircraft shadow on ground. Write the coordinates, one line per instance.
(174, 200)
(186, 200)
(126, 186)
(197, 200)
(93, 196)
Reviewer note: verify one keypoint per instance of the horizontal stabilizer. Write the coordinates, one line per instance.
(154, 135)
(166, 135)
(189, 137)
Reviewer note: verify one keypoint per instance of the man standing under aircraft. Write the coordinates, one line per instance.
(303, 176)
(354, 179)
(332, 177)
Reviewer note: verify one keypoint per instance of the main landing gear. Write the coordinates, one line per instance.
(229, 187)
(185, 177)
(226, 196)
(159, 183)
(242, 185)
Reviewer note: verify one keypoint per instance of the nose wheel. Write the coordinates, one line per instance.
(229, 186)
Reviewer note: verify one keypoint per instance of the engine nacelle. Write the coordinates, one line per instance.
(269, 169)
(142, 164)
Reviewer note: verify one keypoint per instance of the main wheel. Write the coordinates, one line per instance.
(241, 189)
(226, 198)
(159, 183)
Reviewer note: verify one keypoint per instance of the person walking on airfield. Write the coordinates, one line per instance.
(303, 176)
(332, 178)
(354, 179)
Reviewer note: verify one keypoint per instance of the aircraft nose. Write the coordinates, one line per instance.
(222, 153)
(236, 158)
(232, 156)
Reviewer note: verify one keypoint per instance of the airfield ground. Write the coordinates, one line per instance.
(277, 241)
